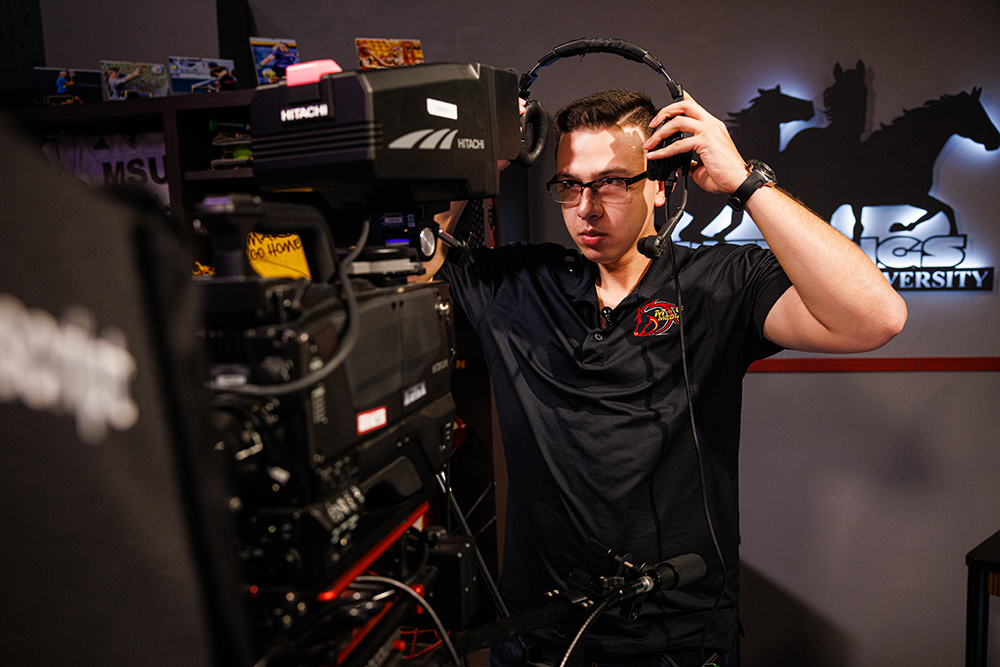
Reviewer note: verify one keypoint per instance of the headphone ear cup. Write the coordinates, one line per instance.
(534, 133)
(665, 168)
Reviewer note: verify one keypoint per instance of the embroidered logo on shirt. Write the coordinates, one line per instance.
(656, 318)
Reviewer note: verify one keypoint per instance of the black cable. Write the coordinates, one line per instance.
(350, 337)
(286, 647)
(697, 448)
(324, 615)
(412, 535)
(634, 589)
(425, 555)
(445, 639)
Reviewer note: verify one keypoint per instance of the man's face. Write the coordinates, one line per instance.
(607, 233)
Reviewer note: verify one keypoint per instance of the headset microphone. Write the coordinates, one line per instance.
(653, 246)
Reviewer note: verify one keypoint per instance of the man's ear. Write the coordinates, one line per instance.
(661, 194)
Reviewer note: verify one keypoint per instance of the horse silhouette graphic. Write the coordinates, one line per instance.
(830, 154)
(897, 162)
(828, 167)
(756, 130)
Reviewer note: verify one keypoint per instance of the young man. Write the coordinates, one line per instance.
(584, 351)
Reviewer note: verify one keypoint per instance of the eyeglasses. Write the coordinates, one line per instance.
(610, 190)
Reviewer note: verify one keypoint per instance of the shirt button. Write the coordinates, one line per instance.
(598, 336)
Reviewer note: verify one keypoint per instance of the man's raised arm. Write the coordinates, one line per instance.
(839, 301)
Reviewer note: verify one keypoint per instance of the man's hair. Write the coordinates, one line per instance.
(605, 110)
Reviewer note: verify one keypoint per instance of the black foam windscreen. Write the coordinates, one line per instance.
(115, 547)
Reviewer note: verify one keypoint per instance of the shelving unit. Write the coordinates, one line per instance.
(185, 123)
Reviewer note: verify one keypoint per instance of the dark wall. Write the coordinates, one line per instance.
(724, 53)
(81, 34)
(21, 32)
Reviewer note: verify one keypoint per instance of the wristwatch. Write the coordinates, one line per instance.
(760, 175)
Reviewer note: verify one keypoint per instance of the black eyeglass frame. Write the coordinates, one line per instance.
(631, 180)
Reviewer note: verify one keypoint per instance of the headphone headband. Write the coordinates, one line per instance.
(617, 47)
(664, 169)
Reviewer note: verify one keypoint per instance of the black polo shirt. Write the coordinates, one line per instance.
(596, 429)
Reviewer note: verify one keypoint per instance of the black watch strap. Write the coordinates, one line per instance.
(760, 175)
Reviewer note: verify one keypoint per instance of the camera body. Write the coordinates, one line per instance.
(320, 476)
(389, 138)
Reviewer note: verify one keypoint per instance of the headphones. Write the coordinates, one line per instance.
(535, 122)
(534, 125)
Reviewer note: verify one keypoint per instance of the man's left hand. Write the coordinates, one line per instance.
(718, 166)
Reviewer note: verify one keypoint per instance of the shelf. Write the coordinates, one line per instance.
(218, 174)
(41, 115)
(186, 123)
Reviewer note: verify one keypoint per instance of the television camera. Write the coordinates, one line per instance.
(332, 396)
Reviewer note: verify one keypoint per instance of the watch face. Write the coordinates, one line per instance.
(765, 170)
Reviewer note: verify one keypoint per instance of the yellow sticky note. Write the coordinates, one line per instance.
(277, 256)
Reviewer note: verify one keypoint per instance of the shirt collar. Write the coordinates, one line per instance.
(580, 274)
(577, 277)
